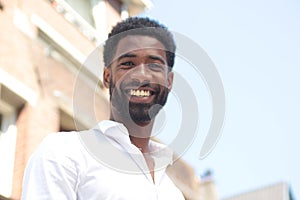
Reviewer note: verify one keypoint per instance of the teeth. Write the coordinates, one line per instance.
(140, 93)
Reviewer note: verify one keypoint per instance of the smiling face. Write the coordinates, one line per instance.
(138, 78)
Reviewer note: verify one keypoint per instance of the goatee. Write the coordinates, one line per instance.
(138, 112)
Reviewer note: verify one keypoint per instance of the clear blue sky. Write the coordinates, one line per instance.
(255, 46)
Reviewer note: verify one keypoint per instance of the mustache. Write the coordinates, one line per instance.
(145, 84)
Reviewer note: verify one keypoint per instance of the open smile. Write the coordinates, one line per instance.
(141, 95)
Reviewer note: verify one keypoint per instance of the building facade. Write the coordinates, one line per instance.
(44, 45)
(278, 191)
(50, 70)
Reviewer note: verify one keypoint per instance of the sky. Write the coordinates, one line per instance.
(255, 46)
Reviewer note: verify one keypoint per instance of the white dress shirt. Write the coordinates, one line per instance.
(101, 164)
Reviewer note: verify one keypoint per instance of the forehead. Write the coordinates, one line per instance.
(136, 43)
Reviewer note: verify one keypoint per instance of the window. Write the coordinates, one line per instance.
(8, 134)
(10, 104)
(7, 116)
(84, 8)
(1, 121)
(79, 13)
(68, 123)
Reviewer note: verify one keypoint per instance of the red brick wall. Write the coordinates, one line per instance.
(33, 123)
(43, 9)
(14, 55)
(113, 14)
(24, 59)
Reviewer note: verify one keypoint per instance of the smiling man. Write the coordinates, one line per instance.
(116, 159)
(144, 80)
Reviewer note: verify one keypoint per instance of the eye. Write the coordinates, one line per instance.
(156, 66)
(127, 63)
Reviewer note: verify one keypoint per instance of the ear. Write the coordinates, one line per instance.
(106, 76)
(170, 80)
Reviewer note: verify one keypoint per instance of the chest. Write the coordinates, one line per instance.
(105, 183)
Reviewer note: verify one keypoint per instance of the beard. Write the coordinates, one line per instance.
(137, 112)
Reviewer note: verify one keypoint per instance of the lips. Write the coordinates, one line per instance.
(141, 94)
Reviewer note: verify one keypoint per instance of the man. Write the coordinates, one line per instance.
(116, 159)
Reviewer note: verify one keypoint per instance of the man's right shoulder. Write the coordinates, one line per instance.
(59, 145)
(60, 140)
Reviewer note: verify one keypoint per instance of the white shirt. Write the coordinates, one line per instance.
(101, 164)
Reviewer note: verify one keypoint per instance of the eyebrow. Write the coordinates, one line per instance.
(131, 55)
(126, 55)
(157, 58)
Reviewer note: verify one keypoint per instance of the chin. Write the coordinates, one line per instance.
(144, 114)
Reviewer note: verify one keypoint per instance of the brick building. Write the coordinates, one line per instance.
(43, 46)
(47, 82)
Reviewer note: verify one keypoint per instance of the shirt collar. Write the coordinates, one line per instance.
(119, 133)
(105, 125)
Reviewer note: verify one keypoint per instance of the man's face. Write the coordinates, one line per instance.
(138, 78)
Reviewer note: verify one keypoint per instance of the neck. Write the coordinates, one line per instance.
(139, 133)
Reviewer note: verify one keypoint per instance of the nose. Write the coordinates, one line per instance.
(141, 73)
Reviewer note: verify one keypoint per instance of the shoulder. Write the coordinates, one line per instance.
(60, 146)
(59, 142)
(53, 168)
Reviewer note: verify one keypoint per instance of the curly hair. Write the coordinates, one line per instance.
(139, 26)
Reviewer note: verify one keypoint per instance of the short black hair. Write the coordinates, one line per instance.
(139, 26)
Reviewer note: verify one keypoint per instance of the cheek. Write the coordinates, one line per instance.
(164, 80)
(120, 75)
(117, 80)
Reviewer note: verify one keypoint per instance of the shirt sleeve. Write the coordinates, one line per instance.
(50, 174)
